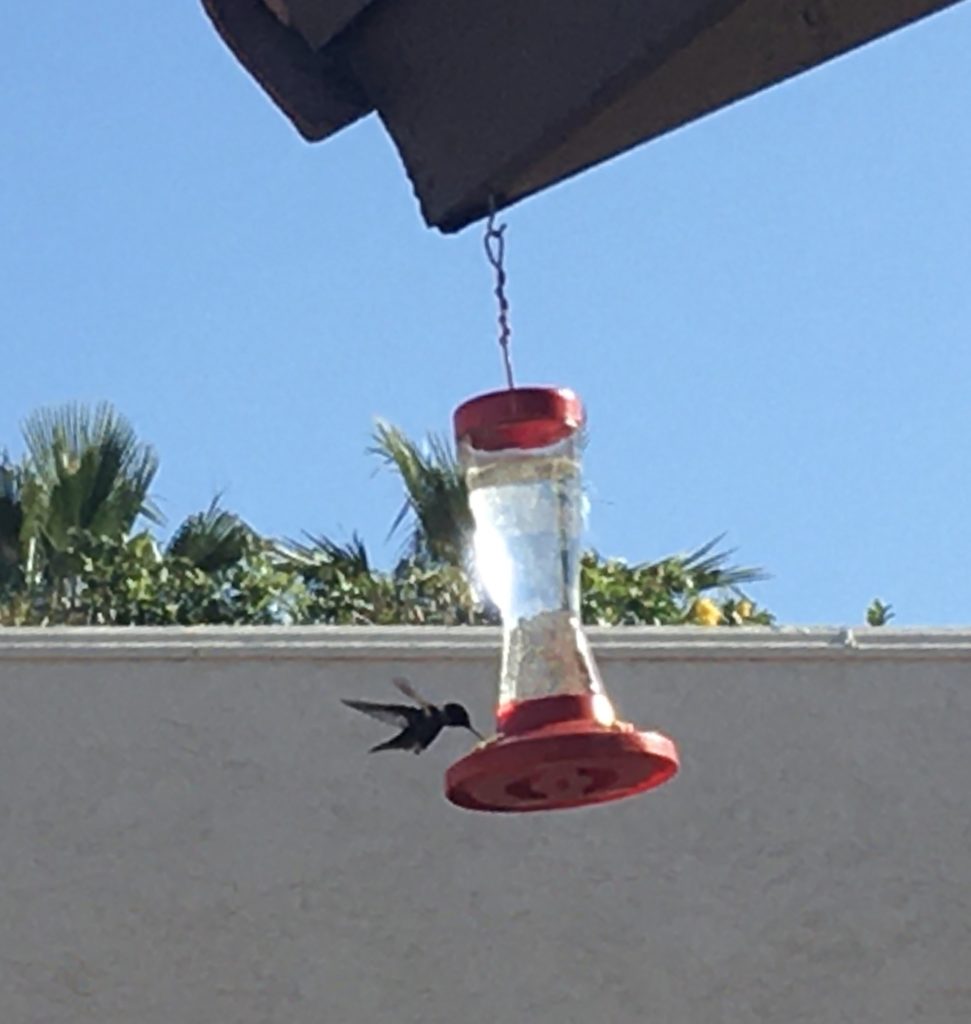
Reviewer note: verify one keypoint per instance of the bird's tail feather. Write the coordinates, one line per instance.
(393, 744)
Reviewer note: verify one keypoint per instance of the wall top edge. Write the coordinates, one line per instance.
(425, 643)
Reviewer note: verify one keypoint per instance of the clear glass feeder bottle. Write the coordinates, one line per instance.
(527, 503)
(558, 743)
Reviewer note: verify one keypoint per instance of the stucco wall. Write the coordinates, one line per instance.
(191, 832)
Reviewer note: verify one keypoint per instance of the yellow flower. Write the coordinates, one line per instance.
(744, 609)
(705, 612)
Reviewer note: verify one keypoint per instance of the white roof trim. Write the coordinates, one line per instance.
(424, 643)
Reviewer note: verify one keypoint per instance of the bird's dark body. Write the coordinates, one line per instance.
(422, 725)
(419, 726)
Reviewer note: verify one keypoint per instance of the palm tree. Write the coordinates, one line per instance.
(436, 498)
(84, 471)
(319, 552)
(212, 540)
(11, 524)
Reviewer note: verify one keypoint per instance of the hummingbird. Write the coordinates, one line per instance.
(419, 725)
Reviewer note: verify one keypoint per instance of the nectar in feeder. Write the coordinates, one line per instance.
(559, 744)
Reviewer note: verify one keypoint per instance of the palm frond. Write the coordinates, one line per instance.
(436, 499)
(212, 540)
(90, 472)
(350, 556)
(11, 518)
(709, 570)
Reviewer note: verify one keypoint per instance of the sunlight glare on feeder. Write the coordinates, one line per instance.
(559, 744)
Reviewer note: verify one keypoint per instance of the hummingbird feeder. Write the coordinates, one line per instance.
(558, 742)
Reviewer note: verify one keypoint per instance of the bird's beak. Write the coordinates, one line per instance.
(475, 732)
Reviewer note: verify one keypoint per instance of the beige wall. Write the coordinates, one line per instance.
(191, 832)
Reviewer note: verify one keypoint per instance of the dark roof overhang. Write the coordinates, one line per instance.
(504, 99)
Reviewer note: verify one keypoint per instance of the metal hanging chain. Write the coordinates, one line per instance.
(495, 247)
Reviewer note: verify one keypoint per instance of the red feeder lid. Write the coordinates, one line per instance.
(519, 418)
(567, 764)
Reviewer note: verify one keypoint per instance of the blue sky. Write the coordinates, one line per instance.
(768, 313)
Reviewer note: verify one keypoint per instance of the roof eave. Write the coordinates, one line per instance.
(312, 87)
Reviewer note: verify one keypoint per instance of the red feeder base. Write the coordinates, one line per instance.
(560, 765)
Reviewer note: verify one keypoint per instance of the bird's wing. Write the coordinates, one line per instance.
(393, 714)
(409, 691)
